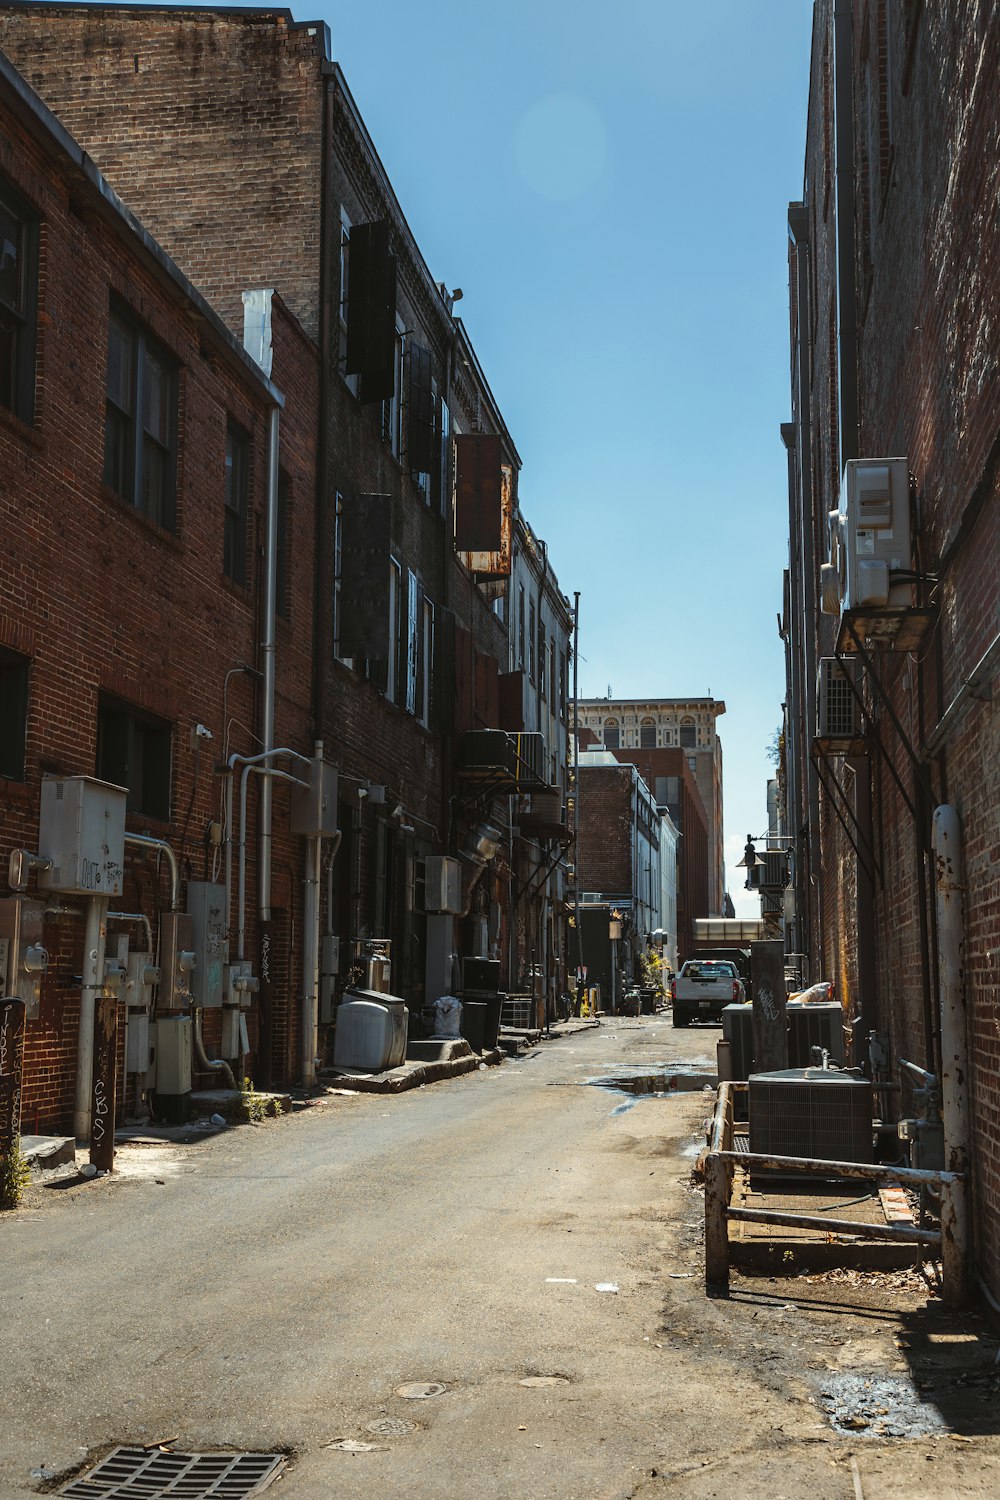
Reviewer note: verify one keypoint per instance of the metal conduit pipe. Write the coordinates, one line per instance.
(143, 841)
(135, 916)
(234, 761)
(267, 772)
(210, 1064)
(335, 843)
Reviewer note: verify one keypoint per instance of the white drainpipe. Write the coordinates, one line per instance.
(950, 898)
(267, 660)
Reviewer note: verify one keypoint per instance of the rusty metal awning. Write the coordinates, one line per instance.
(158, 1474)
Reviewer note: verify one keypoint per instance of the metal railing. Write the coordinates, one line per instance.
(720, 1165)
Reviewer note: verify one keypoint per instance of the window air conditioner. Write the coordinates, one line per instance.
(872, 540)
(838, 710)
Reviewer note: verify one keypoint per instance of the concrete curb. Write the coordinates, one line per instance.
(414, 1075)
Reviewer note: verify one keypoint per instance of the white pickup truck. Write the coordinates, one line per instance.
(703, 987)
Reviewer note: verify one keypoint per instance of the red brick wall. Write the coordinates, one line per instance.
(100, 599)
(604, 841)
(928, 256)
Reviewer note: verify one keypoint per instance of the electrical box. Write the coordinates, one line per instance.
(442, 884)
(177, 960)
(173, 1056)
(314, 807)
(23, 958)
(874, 540)
(81, 831)
(206, 905)
(329, 967)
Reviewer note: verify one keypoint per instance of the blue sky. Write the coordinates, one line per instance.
(608, 185)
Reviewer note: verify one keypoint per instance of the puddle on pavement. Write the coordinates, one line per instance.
(646, 1083)
(877, 1406)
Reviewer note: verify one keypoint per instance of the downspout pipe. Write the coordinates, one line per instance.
(946, 842)
(254, 763)
(267, 649)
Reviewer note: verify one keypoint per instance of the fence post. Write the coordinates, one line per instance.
(716, 1222)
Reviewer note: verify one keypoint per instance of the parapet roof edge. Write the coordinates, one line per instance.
(55, 135)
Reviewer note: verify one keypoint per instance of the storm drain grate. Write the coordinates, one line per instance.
(138, 1474)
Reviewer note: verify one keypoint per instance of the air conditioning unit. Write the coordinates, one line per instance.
(770, 873)
(838, 710)
(442, 884)
(871, 543)
(818, 1113)
(818, 1024)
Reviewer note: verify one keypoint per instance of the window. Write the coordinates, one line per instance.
(18, 294)
(282, 595)
(647, 735)
(133, 750)
(412, 640)
(444, 494)
(237, 504)
(562, 684)
(531, 639)
(338, 566)
(689, 734)
(140, 422)
(542, 666)
(520, 626)
(552, 673)
(13, 714)
(612, 734)
(351, 381)
(425, 662)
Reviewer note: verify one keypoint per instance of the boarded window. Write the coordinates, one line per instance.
(133, 750)
(371, 311)
(363, 625)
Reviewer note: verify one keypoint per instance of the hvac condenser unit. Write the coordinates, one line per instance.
(737, 1029)
(818, 1113)
(820, 1024)
(874, 534)
(838, 710)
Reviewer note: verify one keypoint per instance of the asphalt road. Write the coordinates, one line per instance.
(272, 1288)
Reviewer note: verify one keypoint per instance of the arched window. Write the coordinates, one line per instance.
(689, 734)
(612, 734)
(647, 734)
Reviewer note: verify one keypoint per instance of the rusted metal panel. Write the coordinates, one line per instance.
(483, 504)
(104, 1089)
(510, 687)
(804, 1166)
(907, 1233)
(364, 585)
(770, 1024)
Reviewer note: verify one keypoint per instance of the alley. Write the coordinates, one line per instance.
(273, 1288)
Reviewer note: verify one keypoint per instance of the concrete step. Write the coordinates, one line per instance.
(47, 1151)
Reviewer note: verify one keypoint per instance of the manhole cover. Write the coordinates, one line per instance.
(130, 1472)
(538, 1380)
(391, 1427)
(420, 1390)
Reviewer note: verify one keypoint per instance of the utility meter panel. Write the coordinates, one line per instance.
(206, 905)
(23, 959)
(82, 831)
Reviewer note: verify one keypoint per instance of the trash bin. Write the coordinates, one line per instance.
(647, 994)
(473, 1024)
(447, 1018)
(491, 1031)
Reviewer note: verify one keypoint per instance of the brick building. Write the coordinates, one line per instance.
(618, 852)
(136, 437)
(687, 724)
(894, 330)
(234, 135)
